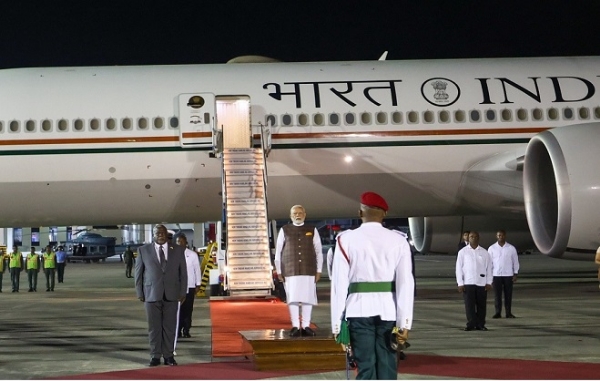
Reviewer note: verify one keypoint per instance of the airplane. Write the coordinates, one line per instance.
(458, 144)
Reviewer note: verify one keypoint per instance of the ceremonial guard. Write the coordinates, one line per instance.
(298, 261)
(372, 290)
(15, 266)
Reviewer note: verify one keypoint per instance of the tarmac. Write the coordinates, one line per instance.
(93, 323)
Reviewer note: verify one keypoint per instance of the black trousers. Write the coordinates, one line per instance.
(128, 268)
(185, 312)
(503, 284)
(60, 268)
(475, 299)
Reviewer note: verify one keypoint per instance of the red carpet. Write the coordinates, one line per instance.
(498, 369)
(229, 317)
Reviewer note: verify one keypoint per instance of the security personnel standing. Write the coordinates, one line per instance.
(129, 260)
(3, 267)
(373, 288)
(15, 265)
(33, 268)
(49, 262)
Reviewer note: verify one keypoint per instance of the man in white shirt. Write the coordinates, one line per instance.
(298, 261)
(372, 287)
(505, 268)
(474, 279)
(194, 279)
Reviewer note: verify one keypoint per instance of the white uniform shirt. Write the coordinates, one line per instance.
(372, 253)
(193, 268)
(473, 266)
(505, 261)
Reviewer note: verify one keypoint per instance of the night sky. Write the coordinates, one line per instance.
(131, 32)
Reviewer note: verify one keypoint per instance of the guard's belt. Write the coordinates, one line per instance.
(358, 287)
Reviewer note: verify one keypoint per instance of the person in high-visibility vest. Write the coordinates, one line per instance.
(33, 268)
(2, 268)
(15, 265)
(49, 263)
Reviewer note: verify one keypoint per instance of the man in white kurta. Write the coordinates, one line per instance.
(372, 286)
(299, 261)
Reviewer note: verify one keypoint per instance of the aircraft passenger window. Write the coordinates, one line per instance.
(302, 120)
(110, 124)
(78, 125)
(490, 115)
(286, 120)
(349, 119)
(506, 115)
(568, 113)
(522, 114)
(552, 114)
(334, 119)
(95, 125)
(459, 116)
(30, 126)
(174, 122)
(126, 123)
(413, 117)
(318, 119)
(142, 123)
(46, 125)
(597, 112)
(63, 125)
(428, 117)
(365, 118)
(1, 126)
(397, 117)
(381, 118)
(271, 120)
(475, 116)
(584, 113)
(537, 114)
(14, 126)
(158, 123)
(444, 116)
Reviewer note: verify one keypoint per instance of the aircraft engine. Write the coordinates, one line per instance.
(441, 235)
(561, 185)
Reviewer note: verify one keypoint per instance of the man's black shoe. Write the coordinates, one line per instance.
(170, 361)
(295, 332)
(308, 332)
(482, 328)
(30, 290)
(402, 355)
(186, 334)
(468, 329)
(510, 316)
(47, 290)
(154, 362)
(496, 316)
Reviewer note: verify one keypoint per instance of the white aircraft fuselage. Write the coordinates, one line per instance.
(442, 139)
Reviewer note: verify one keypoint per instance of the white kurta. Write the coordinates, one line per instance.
(300, 288)
(372, 253)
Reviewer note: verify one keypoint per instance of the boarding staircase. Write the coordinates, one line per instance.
(248, 258)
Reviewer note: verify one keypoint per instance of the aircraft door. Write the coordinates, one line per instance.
(233, 120)
(196, 119)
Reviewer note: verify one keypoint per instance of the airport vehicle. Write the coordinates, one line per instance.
(453, 144)
(90, 247)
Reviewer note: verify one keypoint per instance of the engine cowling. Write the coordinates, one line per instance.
(561, 185)
(441, 235)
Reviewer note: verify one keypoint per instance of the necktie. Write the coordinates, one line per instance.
(163, 261)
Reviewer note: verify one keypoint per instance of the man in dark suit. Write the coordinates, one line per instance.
(161, 282)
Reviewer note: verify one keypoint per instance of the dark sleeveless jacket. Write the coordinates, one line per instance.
(298, 255)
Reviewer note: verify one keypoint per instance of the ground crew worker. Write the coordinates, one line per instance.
(61, 263)
(15, 265)
(2, 268)
(49, 263)
(298, 261)
(33, 268)
(372, 288)
(129, 260)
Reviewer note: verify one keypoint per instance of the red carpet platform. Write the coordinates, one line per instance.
(228, 317)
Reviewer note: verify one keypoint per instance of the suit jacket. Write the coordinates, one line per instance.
(151, 283)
